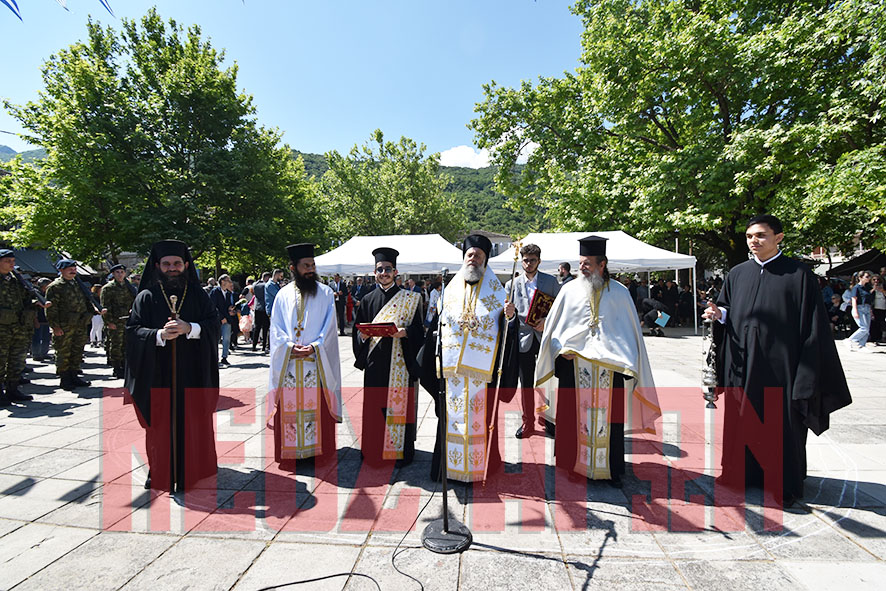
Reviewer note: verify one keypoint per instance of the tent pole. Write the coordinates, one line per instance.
(695, 300)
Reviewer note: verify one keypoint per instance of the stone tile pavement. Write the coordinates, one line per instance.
(74, 516)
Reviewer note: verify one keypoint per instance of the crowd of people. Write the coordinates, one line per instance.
(480, 343)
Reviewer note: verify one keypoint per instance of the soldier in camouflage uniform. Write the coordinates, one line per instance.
(14, 301)
(70, 317)
(117, 297)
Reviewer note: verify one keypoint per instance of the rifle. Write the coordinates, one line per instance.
(90, 298)
(29, 287)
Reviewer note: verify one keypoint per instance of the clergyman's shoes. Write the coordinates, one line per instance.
(523, 432)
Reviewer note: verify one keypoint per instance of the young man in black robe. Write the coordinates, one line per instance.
(774, 340)
(389, 364)
(172, 315)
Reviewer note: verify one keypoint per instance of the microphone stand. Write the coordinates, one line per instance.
(444, 536)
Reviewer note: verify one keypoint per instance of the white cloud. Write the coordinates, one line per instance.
(526, 152)
(469, 157)
(465, 156)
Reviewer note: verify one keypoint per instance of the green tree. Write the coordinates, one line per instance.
(386, 188)
(693, 115)
(147, 137)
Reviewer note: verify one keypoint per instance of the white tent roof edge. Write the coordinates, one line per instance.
(626, 254)
(419, 253)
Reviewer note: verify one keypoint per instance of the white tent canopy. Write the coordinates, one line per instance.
(626, 254)
(419, 253)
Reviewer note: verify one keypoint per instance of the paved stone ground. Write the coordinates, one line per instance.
(71, 518)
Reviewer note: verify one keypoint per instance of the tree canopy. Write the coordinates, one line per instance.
(694, 115)
(387, 188)
(147, 137)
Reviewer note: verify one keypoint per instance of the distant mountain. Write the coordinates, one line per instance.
(7, 153)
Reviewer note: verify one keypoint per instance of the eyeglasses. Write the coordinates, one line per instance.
(384, 269)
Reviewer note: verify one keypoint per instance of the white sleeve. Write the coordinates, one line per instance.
(723, 316)
(195, 331)
(160, 341)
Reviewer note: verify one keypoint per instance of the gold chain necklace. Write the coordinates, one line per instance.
(175, 312)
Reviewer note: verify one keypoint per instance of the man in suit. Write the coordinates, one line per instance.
(262, 323)
(341, 298)
(525, 287)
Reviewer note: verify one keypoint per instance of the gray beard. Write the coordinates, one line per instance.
(592, 283)
(473, 275)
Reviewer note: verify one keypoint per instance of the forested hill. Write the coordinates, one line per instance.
(474, 189)
(7, 153)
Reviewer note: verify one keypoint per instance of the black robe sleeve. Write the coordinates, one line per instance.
(197, 359)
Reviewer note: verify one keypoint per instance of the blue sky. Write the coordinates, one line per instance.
(327, 73)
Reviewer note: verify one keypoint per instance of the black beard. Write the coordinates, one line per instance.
(173, 283)
(307, 283)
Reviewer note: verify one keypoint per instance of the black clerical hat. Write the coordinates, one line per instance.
(300, 251)
(479, 241)
(5, 252)
(386, 255)
(118, 266)
(592, 246)
(169, 248)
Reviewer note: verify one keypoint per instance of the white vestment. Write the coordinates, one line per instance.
(296, 385)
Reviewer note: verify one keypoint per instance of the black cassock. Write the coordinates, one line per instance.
(149, 378)
(776, 335)
(376, 368)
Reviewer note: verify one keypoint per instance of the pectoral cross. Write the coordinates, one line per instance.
(298, 330)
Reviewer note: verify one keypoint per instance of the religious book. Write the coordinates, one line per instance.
(380, 329)
(662, 319)
(540, 306)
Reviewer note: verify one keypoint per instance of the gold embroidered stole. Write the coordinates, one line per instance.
(298, 400)
(400, 310)
(593, 399)
(466, 432)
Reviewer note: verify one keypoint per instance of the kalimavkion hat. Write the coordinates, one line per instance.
(592, 246)
(478, 241)
(300, 251)
(386, 255)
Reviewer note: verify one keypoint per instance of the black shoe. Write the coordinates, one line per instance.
(16, 395)
(24, 380)
(523, 432)
(550, 429)
(77, 381)
(65, 382)
(615, 482)
(224, 361)
(4, 400)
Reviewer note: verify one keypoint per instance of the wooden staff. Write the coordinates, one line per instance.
(501, 359)
(173, 399)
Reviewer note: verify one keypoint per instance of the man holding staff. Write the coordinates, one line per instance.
(172, 368)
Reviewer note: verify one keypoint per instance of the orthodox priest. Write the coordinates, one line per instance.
(304, 388)
(773, 339)
(472, 326)
(389, 364)
(171, 368)
(593, 344)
